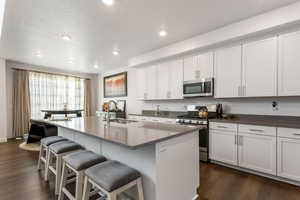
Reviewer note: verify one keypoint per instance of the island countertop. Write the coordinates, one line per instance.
(132, 135)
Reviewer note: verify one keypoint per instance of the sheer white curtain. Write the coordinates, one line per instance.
(50, 91)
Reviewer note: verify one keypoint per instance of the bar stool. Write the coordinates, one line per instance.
(45, 142)
(77, 162)
(112, 178)
(57, 151)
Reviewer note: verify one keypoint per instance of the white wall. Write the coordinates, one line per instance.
(3, 103)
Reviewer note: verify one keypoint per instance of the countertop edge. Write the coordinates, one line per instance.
(272, 124)
(117, 143)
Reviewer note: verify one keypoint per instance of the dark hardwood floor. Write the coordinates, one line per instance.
(19, 179)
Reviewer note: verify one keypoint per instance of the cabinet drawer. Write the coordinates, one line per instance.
(289, 133)
(258, 130)
(223, 126)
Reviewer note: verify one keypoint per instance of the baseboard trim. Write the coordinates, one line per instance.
(276, 178)
(2, 140)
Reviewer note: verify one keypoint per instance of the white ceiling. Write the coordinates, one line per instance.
(130, 25)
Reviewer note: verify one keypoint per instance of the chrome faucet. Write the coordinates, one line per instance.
(108, 115)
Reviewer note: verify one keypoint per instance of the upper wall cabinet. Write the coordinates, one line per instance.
(151, 82)
(198, 66)
(260, 68)
(162, 81)
(141, 83)
(176, 80)
(170, 80)
(288, 68)
(146, 83)
(228, 70)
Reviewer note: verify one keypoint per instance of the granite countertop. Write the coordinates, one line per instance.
(132, 135)
(263, 120)
(162, 114)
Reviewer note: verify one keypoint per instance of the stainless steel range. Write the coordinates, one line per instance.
(192, 118)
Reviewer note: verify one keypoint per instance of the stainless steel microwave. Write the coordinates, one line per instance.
(198, 88)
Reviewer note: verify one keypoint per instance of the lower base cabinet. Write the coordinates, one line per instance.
(288, 162)
(223, 146)
(257, 152)
(246, 146)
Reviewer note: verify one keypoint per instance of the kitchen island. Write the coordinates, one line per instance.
(167, 155)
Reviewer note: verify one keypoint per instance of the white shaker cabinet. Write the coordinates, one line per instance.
(246, 146)
(163, 79)
(198, 66)
(260, 68)
(141, 84)
(151, 82)
(257, 152)
(223, 143)
(170, 80)
(228, 71)
(288, 67)
(146, 83)
(176, 80)
(288, 162)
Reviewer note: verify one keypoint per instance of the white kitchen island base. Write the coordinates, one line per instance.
(169, 168)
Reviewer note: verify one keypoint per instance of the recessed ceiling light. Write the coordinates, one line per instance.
(108, 2)
(71, 61)
(163, 33)
(115, 53)
(66, 37)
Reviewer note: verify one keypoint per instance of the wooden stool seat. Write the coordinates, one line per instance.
(51, 140)
(57, 151)
(45, 143)
(112, 178)
(77, 162)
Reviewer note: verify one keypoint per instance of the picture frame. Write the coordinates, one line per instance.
(115, 85)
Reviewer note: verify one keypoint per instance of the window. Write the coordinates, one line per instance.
(49, 91)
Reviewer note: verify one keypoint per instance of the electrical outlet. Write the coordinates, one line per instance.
(275, 106)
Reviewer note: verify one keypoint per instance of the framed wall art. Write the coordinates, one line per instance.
(115, 85)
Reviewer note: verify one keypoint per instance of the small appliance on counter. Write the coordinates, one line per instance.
(200, 115)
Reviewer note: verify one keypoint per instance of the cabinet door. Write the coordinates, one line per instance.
(260, 68)
(288, 68)
(151, 82)
(176, 80)
(223, 146)
(205, 65)
(288, 162)
(163, 79)
(228, 72)
(141, 83)
(191, 71)
(257, 152)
